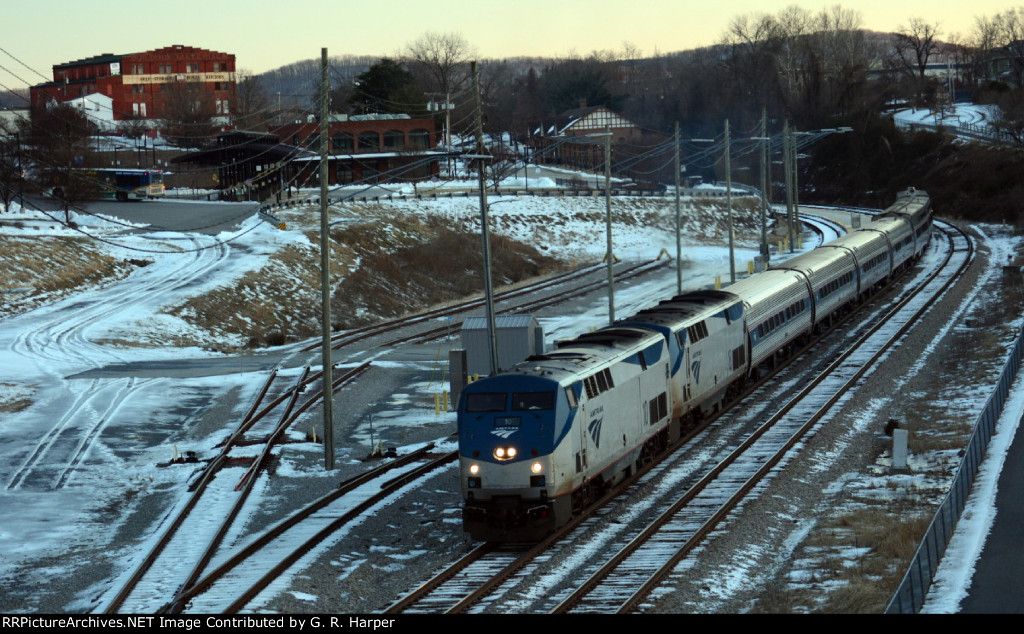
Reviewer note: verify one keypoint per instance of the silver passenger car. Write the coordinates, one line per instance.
(778, 311)
(831, 276)
(870, 251)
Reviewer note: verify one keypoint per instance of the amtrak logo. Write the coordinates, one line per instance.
(695, 370)
(504, 433)
(595, 431)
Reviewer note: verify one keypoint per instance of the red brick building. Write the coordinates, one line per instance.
(367, 148)
(140, 83)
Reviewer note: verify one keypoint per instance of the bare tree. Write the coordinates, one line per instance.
(10, 164)
(443, 59)
(251, 108)
(57, 141)
(189, 115)
(1009, 39)
(847, 54)
(916, 44)
(133, 126)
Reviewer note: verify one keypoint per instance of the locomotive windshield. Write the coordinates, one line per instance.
(526, 401)
(486, 402)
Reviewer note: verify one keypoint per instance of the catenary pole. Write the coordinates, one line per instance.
(492, 341)
(787, 152)
(793, 160)
(679, 222)
(728, 203)
(608, 221)
(325, 272)
(764, 188)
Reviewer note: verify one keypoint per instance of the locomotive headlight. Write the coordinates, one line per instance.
(474, 469)
(505, 453)
(536, 467)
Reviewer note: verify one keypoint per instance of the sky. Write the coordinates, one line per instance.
(264, 35)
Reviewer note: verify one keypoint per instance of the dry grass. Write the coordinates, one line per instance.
(857, 558)
(280, 302)
(46, 267)
(407, 264)
(14, 398)
(383, 267)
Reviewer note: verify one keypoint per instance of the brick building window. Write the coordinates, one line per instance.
(342, 142)
(419, 139)
(394, 140)
(369, 142)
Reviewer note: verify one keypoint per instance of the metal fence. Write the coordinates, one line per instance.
(738, 191)
(968, 130)
(910, 596)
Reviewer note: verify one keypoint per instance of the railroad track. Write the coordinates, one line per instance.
(222, 581)
(622, 583)
(509, 297)
(230, 585)
(196, 529)
(511, 579)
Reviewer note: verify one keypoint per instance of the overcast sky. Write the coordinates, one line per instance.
(266, 35)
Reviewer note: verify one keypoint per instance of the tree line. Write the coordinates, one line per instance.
(808, 69)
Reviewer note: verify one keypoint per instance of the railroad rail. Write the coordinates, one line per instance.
(645, 560)
(178, 546)
(230, 586)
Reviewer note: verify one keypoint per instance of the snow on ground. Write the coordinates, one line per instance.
(956, 115)
(50, 507)
(60, 498)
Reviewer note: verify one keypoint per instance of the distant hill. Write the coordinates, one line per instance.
(17, 98)
(296, 83)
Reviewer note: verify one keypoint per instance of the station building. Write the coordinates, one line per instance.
(362, 149)
(367, 148)
(140, 85)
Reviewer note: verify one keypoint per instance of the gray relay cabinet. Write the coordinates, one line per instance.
(518, 337)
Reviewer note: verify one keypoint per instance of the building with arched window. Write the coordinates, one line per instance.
(366, 148)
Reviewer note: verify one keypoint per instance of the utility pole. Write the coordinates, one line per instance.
(793, 161)
(728, 202)
(325, 273)
(787, 153)
(608, 221)
(448, 129)
(679, 222)
(492, 341)
(764, 188)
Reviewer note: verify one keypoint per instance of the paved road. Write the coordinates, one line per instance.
(999, 571)
(209, 217)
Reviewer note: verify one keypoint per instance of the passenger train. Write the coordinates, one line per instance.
(541, 440)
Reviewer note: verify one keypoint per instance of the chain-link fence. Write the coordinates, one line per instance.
(910, 596)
